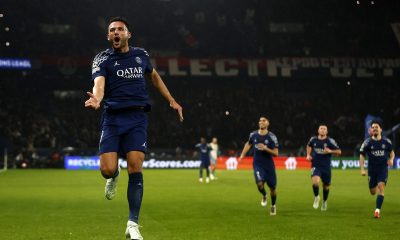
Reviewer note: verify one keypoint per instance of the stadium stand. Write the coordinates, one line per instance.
(42, 113)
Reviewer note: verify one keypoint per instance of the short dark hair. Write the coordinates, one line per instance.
(119, 19)
(376, 122)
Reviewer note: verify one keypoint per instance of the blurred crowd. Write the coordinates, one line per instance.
(37, 122)
(42, 113)
(207, 28)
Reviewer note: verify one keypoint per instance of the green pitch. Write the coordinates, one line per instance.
(59, 204)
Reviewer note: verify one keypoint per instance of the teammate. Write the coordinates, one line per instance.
(380, 156)
(119, 74)
(319, 151)
(213, 157)
(204, 150)
(265, 147)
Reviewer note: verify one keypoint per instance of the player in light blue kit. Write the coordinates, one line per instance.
(319, 151)
(119, 75)
(380, 155)
(265, 147)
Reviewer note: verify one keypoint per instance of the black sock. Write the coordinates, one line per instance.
(112, 176)
(116, 173)
(262, 191)
(325, 194)
(379, 201)
(135, 195)
(273, 199)
(316, 190)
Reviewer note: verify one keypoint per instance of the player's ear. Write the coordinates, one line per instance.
(129, 35)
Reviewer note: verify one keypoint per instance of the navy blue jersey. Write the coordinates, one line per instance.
(125, 83)
(204, 151)
(263, 158)
(319, 159)
(378, 152)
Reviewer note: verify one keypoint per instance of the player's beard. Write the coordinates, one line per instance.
(118, 43)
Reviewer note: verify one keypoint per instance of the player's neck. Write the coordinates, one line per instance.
(322, 137)
(263, 131)
(122, 50)
(377, 138)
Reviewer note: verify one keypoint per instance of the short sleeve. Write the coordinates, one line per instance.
(363, 147)
(390, 146)
(274, 142)
(98, 65)
(251, 138)
(148, 68)
(332, 144)
(310, 141)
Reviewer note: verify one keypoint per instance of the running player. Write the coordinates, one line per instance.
(319, 151)
(265, 147)
(380, 155)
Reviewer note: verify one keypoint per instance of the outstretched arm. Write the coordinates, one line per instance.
(308, 150)
(246, 148)
(162, 88)
(362, 161)
(96, 97)
(391, 158)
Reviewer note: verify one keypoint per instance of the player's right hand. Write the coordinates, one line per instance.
(92, 102)
(309, 157)
(178, 108)
(363, 173)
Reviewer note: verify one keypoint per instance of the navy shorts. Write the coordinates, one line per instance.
(268, 175)
(324, 174)
(205, 163)
(376, 176)
(123, 132)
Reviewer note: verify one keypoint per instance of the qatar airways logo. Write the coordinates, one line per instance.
(136, 72)
(319, 150)
(378, 153)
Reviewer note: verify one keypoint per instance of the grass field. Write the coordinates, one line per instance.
(59, 204)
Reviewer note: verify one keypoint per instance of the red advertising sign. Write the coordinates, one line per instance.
(289, 163)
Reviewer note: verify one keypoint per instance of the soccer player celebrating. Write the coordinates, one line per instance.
(204, 149)
(119, 75)
(319, 151)
(265, 147)
(380, 156)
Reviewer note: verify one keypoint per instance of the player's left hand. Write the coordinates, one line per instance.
(390, 163)
(92, 102)
(261, 146)
(178, 108)
(327, 150)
